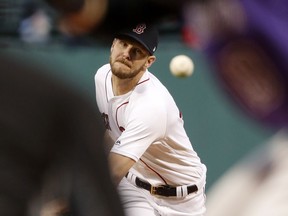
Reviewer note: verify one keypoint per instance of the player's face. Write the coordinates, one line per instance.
(129, 58)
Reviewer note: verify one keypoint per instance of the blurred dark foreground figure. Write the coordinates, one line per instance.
(51, 153)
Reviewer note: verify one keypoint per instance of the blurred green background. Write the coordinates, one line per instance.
(218, 129)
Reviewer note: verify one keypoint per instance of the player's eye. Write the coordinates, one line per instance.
(137, 51)
(122, 44)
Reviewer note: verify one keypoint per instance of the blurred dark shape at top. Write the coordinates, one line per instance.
(28, 9)
(114, 15)
(96, 18)
(66, 6)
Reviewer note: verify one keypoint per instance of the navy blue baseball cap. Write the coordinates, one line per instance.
(144, 33)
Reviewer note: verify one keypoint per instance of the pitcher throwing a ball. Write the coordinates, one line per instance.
(152, 160)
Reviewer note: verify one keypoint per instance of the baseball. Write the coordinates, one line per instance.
(181, 66)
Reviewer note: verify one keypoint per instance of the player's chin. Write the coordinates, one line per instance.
(122, 69)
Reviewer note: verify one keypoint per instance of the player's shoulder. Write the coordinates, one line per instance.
(158, 89)
(150, 91)
(103, 70)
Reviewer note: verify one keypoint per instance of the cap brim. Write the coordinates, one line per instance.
(131, 36)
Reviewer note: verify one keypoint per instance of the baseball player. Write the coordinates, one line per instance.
(152, 160)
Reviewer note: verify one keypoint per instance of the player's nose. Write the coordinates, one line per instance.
(127, 52)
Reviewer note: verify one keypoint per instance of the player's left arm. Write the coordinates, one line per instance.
(119, 166)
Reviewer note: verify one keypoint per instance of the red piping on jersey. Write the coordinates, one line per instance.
(117, 113)
(154, 172)
(143, 81)
(106, 85)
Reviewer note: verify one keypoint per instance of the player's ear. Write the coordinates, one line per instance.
(150, 61)
(113, 43)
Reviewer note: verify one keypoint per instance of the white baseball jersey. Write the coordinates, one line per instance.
(148, 127)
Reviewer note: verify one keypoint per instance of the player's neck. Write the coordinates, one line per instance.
(123, 86)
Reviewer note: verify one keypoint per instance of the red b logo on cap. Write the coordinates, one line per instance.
(139, 28)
